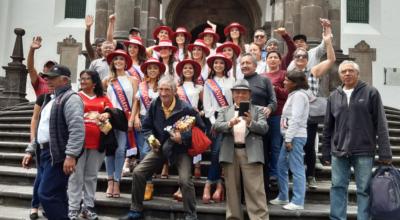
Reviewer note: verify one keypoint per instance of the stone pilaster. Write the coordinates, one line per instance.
(143, 25)
(124, 13)
(153, 19)
(101, 19)
(310, 12)
(69, 51)
(363, 54)
(15, 80)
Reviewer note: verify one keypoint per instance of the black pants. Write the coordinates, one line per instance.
(309, 149)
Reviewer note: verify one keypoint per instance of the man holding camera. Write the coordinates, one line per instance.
(243, 125)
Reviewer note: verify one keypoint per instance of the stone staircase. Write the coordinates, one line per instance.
(16, 182)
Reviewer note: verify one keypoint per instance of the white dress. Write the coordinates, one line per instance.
(126, 86)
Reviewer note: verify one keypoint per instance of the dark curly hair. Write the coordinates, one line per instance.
(95, 77)
(299, 78)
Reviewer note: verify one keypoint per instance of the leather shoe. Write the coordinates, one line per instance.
(133, 215)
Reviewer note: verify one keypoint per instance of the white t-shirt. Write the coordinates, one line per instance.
(348, 94)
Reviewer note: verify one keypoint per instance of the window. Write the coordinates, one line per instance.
(75, 8)
(358, 11)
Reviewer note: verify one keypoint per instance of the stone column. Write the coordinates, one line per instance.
(143, 25)
(334, 17)
(363, 54)
(15, 80)
(124, 13)
(101, 19)
(69, 50)
(310, 12)
(153, 19)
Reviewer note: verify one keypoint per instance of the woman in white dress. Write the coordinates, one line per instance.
(181, 40)
(199, 52)
(232, 52)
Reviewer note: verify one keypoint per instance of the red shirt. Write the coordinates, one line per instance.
(40, 86)
(277, 79)
(92, 131)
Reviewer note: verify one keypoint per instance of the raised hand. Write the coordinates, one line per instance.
(325, 22)
(89, 21)
(327, 34)
(281, 31)
(36, 42)
(213, 26)
(111, 19)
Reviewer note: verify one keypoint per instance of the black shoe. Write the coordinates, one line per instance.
(34, 216)
(133, 215)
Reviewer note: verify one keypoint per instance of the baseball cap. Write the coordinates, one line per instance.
(58, 70)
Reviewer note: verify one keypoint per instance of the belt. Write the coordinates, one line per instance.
(240, 146)
(44, 146)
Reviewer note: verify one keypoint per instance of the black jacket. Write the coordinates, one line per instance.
(357, 128)
(155, 122)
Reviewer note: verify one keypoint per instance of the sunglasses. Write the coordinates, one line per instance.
(259, 36)
(301, 56)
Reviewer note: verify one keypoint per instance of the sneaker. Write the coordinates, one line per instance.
(73, 214)
(292, 206)
(89, 213)
(277, 201)
(132, 215)
(311, 182)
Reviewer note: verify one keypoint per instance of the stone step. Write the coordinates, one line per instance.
(165, 207)
(15, 127)
(22, 213)
(13, 147)
(391, 116)
(20, 106)
(17, 112)
(15, 120)
(15, 136)
(163, 187)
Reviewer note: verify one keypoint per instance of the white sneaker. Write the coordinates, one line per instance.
(277, 201)
(292, 206)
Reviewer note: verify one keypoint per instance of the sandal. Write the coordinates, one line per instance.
(110, 187)
(116, 190)
(164, 172)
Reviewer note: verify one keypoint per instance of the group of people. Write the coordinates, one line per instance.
(131, 93)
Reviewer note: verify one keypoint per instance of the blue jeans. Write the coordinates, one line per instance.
(294, 161)
(340, 183)
(35, 197)
(275, 143)
(115, 163)
(214, 171)
(53, 188)
(142, 144)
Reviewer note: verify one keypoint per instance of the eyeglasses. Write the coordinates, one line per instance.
(301, 56)
(259, 36)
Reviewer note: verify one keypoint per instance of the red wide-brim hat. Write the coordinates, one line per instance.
(165, 44)
(123, 53)
(236, 48)
(241, 28)
(196, 67)
(199, 43)
(160, 65)
(211, 59)
(135, 41)
(159, 28)
(182, 30)
(209, 31)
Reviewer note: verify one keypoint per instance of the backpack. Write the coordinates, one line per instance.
(385, 193)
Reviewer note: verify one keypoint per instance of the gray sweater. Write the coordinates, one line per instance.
(294, 115)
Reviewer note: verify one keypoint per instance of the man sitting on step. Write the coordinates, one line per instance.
(172, 146)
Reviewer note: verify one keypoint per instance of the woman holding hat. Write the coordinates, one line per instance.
(160, 33)
(147, 91)
(167, 51)
(199, 51)
(234, 32)
(181, 40)
(217, 95)
(137, 52)
(232, 52)
(210, 39)
(191, 92)
(120, 88)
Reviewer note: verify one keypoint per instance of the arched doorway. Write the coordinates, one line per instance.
(194, 14)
